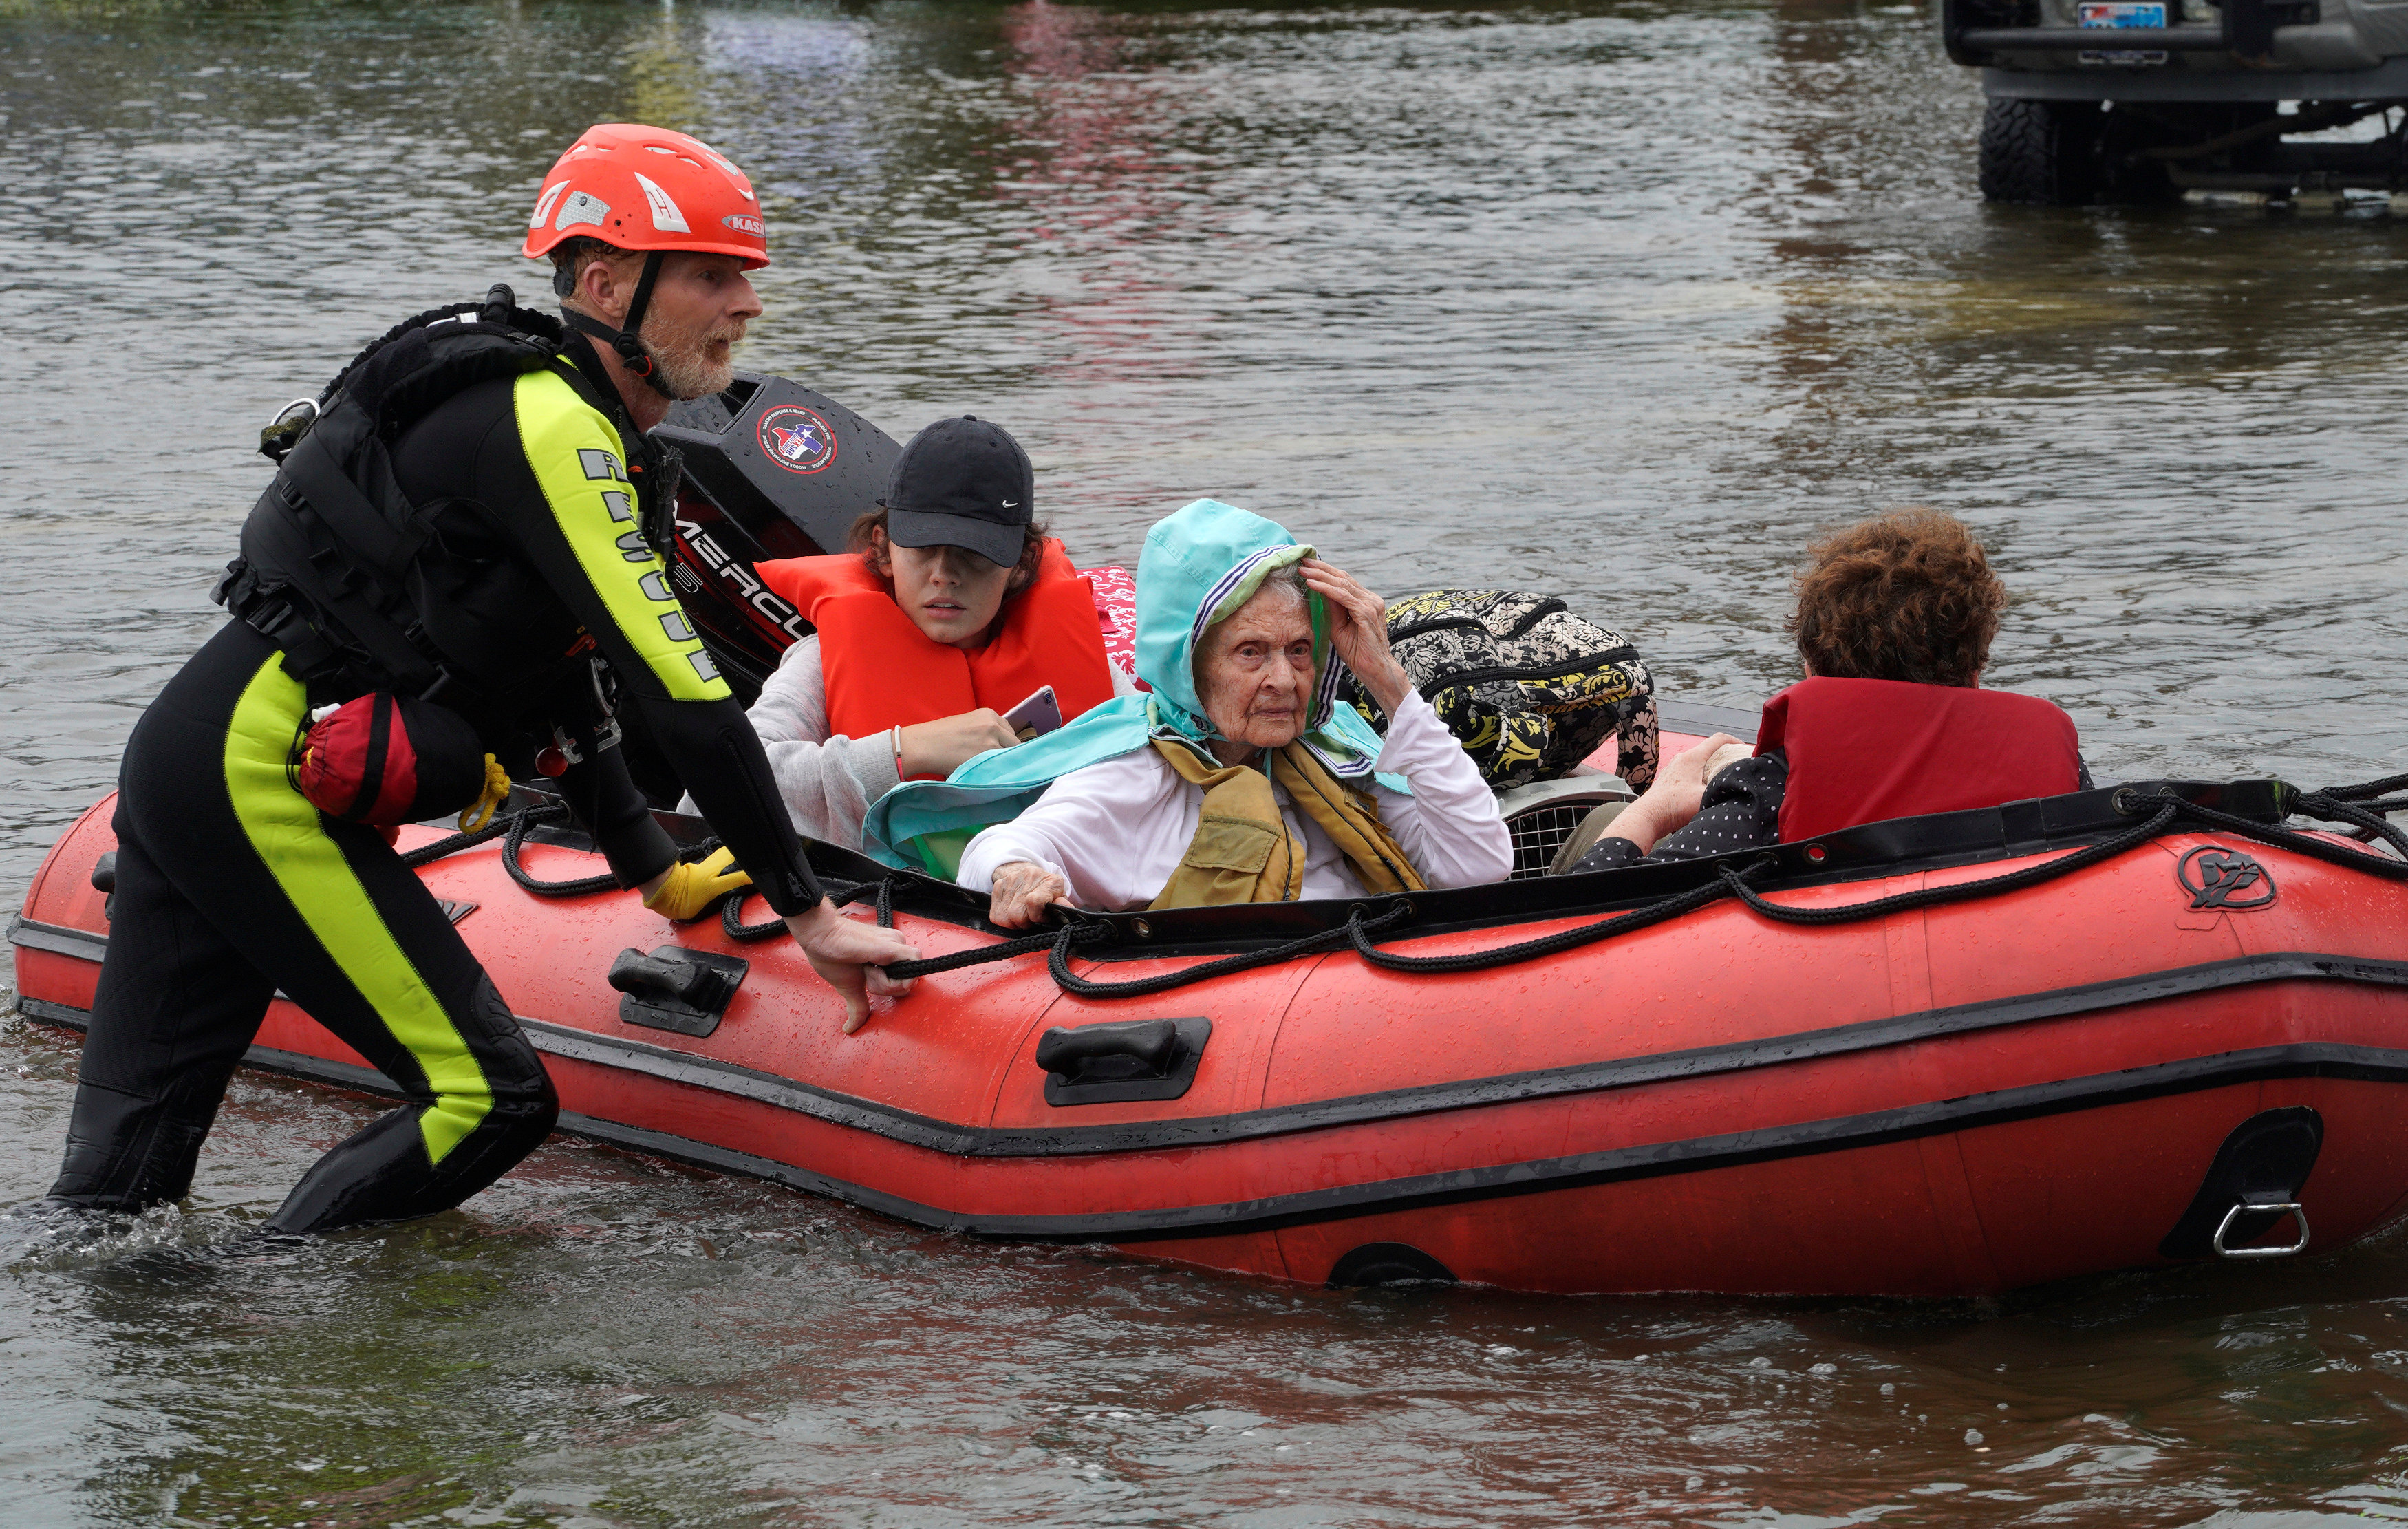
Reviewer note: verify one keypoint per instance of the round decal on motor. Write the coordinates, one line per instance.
(796, 439)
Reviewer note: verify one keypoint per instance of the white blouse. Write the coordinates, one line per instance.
(827, 780)
(1115, 832)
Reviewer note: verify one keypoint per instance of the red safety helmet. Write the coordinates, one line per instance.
(649, 189)
(652, 191)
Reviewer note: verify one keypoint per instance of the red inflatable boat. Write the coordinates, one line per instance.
(2189, 1044)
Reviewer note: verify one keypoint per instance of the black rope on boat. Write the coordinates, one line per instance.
(2368, 830)
(1963, 891)
(1738, 884)
(731, 913)
(2355, 793)
(513, 828)
(454, 843)
(1028, 944)
(1359, 931)
(1059, 963)
(512, 831)
(2365, 807)
(2163, 809)
(2370, 821)
(731, 920)
(515, 840)
(2370, 818)
(2320, 804)
(1060, 944)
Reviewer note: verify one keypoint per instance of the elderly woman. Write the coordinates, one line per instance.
(1238, 779)
(1894, 623)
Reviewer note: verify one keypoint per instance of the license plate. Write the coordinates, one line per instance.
(2120, 13)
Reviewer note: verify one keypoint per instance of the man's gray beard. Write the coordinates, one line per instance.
(686, 369)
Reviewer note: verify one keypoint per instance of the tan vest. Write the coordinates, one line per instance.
(1242, 851)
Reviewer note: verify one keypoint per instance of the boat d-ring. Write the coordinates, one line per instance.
(2287, 1207)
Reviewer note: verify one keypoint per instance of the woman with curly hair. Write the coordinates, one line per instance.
(1894, 622)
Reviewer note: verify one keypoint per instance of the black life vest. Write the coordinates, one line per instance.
(342, 571)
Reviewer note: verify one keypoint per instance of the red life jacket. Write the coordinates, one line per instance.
(1861, 751)
(881, 670)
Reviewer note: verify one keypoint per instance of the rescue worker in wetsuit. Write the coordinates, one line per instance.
(473, 519)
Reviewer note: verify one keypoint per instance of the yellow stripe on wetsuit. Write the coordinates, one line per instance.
(309, 868)
(574, 452)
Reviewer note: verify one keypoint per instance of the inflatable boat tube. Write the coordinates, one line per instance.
(2195, 1047)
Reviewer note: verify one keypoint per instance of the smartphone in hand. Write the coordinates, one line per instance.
(1040, 713)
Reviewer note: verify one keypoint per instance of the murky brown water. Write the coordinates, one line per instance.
(1621, 301)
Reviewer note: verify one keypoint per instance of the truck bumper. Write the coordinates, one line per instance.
(2385, 81)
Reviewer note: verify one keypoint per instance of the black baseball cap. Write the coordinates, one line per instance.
(962, 483)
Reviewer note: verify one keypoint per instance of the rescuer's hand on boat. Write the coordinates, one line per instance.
(1668, 805)
(1023, 891)
(847, 954)
(1358, 629)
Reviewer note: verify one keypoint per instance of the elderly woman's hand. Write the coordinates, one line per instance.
(1022, 892)
(1358, 630)
(1672, 799)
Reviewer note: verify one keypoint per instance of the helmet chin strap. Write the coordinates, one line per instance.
(624, 340)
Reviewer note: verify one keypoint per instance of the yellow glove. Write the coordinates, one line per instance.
(692, 888)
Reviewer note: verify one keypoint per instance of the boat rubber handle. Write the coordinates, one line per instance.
(1149, 1043)
(651, 977)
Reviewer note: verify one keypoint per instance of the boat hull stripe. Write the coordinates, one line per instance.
(1069, 1140)
(1698, 1154)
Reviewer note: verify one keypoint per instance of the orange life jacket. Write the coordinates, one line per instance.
(881, 670)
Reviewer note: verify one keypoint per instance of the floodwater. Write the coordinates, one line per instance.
(1622, 301)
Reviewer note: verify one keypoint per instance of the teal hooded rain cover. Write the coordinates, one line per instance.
(1199, 565)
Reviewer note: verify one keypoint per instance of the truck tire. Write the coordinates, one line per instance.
(2039, 154)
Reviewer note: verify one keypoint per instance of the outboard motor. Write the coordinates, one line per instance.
(772, 470)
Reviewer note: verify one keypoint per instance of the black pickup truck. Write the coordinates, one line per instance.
(2139, 100)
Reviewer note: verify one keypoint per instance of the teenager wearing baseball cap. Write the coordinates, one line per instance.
(949, 607)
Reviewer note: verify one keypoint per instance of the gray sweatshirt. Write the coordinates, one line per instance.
(828, 781)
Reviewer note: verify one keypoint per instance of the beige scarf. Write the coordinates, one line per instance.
(1242, 851)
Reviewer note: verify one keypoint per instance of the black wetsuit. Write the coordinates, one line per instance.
(231, 885)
